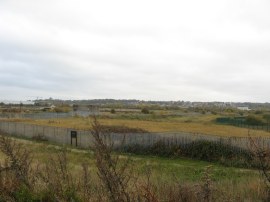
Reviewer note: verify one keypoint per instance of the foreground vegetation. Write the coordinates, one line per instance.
(38, 171)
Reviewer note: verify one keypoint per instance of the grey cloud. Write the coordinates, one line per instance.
(217, 54)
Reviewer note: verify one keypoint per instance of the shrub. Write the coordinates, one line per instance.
(145, 111)
(114, 177)
(262, 155)
(39, 137)
(253, 120)
(61, 109)
(201, 150)
(58, 178)
(266, 117)
(121, 129)
(258, 112)
(15, 174)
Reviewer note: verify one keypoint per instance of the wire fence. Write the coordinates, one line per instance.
(47, 115)
(265, 127)
(240, 122)
(84, 138)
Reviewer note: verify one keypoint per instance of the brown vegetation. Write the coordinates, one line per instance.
(22, 179)
(261, 154)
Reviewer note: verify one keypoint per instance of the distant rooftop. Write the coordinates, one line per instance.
(17, 102)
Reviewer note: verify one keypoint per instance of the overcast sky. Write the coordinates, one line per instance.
(149, 49)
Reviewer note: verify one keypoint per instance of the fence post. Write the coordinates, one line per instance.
(67, 135)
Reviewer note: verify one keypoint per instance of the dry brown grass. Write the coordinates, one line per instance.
(203, 127)
(22, 179)
(16, 170)
(261, 153)
(60, 181)
(56, 179)
(115, 178)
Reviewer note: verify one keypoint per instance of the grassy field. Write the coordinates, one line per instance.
(198, 124)
(233, 183)
(166, 174)
(183, 169)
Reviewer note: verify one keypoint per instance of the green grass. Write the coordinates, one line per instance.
(181, 168)
(244, 183)
(185, 169)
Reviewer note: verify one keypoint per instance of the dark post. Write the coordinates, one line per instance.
(73, 134)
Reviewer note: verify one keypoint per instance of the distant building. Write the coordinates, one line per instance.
(48, 108)
(243, 108)
(85, 110)
(11, 102)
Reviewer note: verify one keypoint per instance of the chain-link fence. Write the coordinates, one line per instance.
(241, 122)
(84, 138)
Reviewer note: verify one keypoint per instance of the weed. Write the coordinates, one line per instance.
(15, 173)
(115, 178)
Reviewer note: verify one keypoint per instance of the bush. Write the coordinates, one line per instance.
(61, 109)
(145, 111)
(113, 111)
(15, 173)
(39, 137)
(121, 129)
(266, 117)
(201, 150)
(253, 120)
(21, 181)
